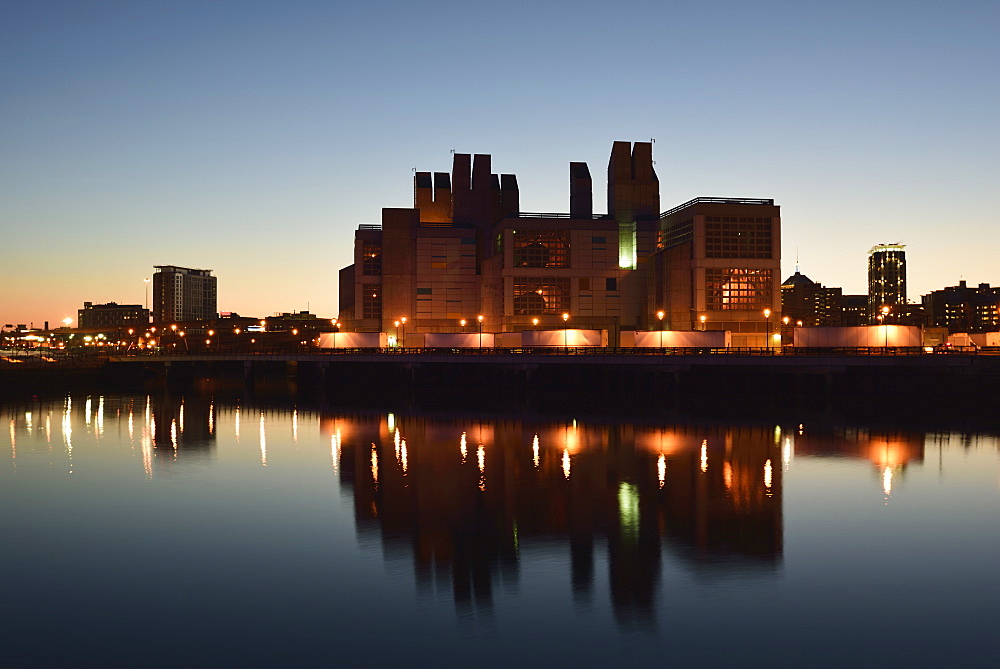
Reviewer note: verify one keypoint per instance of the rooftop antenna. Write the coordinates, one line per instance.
(796, 259)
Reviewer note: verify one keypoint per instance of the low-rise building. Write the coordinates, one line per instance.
(111, 315)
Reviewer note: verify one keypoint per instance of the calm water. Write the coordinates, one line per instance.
(167, 530)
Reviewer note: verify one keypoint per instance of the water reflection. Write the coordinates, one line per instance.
(622, 516)
(155, 427)
(614, 494)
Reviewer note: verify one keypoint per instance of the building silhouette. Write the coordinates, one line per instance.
(886, 279)
(183, 294)
(112, 315)
(803, 300)
(465, 249)
(962, 308)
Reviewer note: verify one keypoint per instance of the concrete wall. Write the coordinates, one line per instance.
(866, 335)
(458, 340)
(681, 338)
(568, 337)
(353, 340)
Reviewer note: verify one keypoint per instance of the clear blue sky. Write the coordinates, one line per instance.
(251, 138)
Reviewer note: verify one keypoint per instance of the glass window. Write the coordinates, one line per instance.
(541, 248)
(534, 296)
(371, 303)
(737, 289)
(371, 259)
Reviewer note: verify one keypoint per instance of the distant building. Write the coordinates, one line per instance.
(717, 267)
(111, 315)
(811, 303)
(183, 294)
(964, 309)
(854, 310)
(886, 278)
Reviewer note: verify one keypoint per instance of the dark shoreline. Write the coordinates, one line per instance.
(942, 401)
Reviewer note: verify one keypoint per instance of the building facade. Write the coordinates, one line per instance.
(183, 294)
(717, 267)
(111, 315)
(886, 279)
(465, 250)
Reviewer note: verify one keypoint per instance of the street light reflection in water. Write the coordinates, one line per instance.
(655, 526)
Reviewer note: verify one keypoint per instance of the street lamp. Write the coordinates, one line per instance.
(480, 319)
(402, 333)
(884, 318)
(702, 318)
(534, 322)
(767, 319)
(396, 323)
(660, 315)
(565, 318)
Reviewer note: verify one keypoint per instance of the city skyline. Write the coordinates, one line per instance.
(253, 142)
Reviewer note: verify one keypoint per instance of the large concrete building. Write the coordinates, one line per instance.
(183, 294)
(465, 249)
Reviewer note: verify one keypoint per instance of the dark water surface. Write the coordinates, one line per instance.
(169, 530)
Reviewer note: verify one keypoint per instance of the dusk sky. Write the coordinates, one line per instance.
(251, 138)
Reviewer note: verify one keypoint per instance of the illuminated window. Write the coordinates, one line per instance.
(371, 301)
(534, 296)
(737, 289)
(371, 261)
(541, 248)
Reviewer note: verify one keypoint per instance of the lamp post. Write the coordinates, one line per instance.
(402, 330)
(565, 318)
(786, 320)
(396, 323)
(480, 319)
(702, 318)
(885, 323)
(660, 315)
(767, 319)
(534, 323)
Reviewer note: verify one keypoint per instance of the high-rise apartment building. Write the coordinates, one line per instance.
(183, 294)
(886, 278)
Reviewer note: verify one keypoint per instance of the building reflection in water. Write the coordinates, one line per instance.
(709, 495)
(889, 451)
(160, 429)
